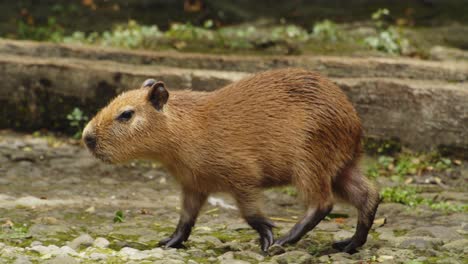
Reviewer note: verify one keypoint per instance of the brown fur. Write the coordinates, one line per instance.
(274, 128)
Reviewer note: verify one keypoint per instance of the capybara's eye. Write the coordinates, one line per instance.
(125, 115)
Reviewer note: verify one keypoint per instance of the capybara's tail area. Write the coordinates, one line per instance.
(352, 187)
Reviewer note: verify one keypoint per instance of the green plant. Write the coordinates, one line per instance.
(389, 38)
(131, 35)
(51, 31)
(409, 196)
(119, 217)
(326, 30)
(406, 196)
(406, 164)
(77, 121)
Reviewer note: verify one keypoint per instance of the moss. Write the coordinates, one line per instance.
(239, 236)
(400, 232)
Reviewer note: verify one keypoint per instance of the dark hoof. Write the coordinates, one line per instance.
(171, 242)
(348, 245)
(266, 238)
(341, 245)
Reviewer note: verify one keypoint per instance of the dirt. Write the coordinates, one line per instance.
(58, 205)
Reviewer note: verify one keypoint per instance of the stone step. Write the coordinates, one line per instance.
(344, 67)
(39, 92)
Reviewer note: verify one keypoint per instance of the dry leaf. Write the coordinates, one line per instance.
(380, 221)
(340, 220)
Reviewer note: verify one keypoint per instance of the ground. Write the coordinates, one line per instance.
(60, 205)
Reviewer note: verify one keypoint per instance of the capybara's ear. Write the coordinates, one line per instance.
(157, 94)
(148, 83)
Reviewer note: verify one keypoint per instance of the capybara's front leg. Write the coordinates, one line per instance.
(192, 202)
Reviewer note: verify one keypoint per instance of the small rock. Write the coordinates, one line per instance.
(234, 261)
(192, 262)
(440, 232)
(62, 259)
(30, 201)
(97, 256)
(22, 260)
(133, 254)
(232, 246)
(293, 257)
(276, 250)
(460, 245)
(171, 261)
(342, 234)
(196, 253)
(226, 256)
(36, 243)
(84, 240)
(90, 210)
(420, 242)
(46, 220)
(324, 259)
(101, 242)
(249, 254)
(340, 257)
(209, 239)
(401, 255)
(108, 181)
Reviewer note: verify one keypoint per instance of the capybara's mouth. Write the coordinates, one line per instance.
(101, 156)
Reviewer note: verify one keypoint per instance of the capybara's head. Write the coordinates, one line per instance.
(131, 126)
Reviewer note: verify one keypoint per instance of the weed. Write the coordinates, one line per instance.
(389, 39)
(407, 163)
(119, 217)
(77, 121)
(409, 196)
(327, 30)
(52, 31)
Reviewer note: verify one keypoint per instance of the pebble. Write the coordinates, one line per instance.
(62, 259)
(97, 256)
(342, 234)
(294, 256)
(22, 260)
(84, 240)
(420, 242)
(101, 242)
(440, 232)
(249, 254)
(460, 245)
(276, 250)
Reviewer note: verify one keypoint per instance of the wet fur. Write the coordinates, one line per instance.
(275, 128)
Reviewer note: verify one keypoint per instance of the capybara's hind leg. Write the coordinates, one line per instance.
(319, 205)
(354, 188)
(312, 217)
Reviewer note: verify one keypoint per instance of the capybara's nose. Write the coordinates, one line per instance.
(90, 141)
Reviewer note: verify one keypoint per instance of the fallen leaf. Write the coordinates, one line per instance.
(380, 221)
(340, 220)
(145, 212)
(90, 210)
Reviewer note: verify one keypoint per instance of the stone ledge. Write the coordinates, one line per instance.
(343, 67)
(38, 92)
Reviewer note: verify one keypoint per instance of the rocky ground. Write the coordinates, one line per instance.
(59, 205)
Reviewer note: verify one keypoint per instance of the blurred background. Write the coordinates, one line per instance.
(410, 28)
